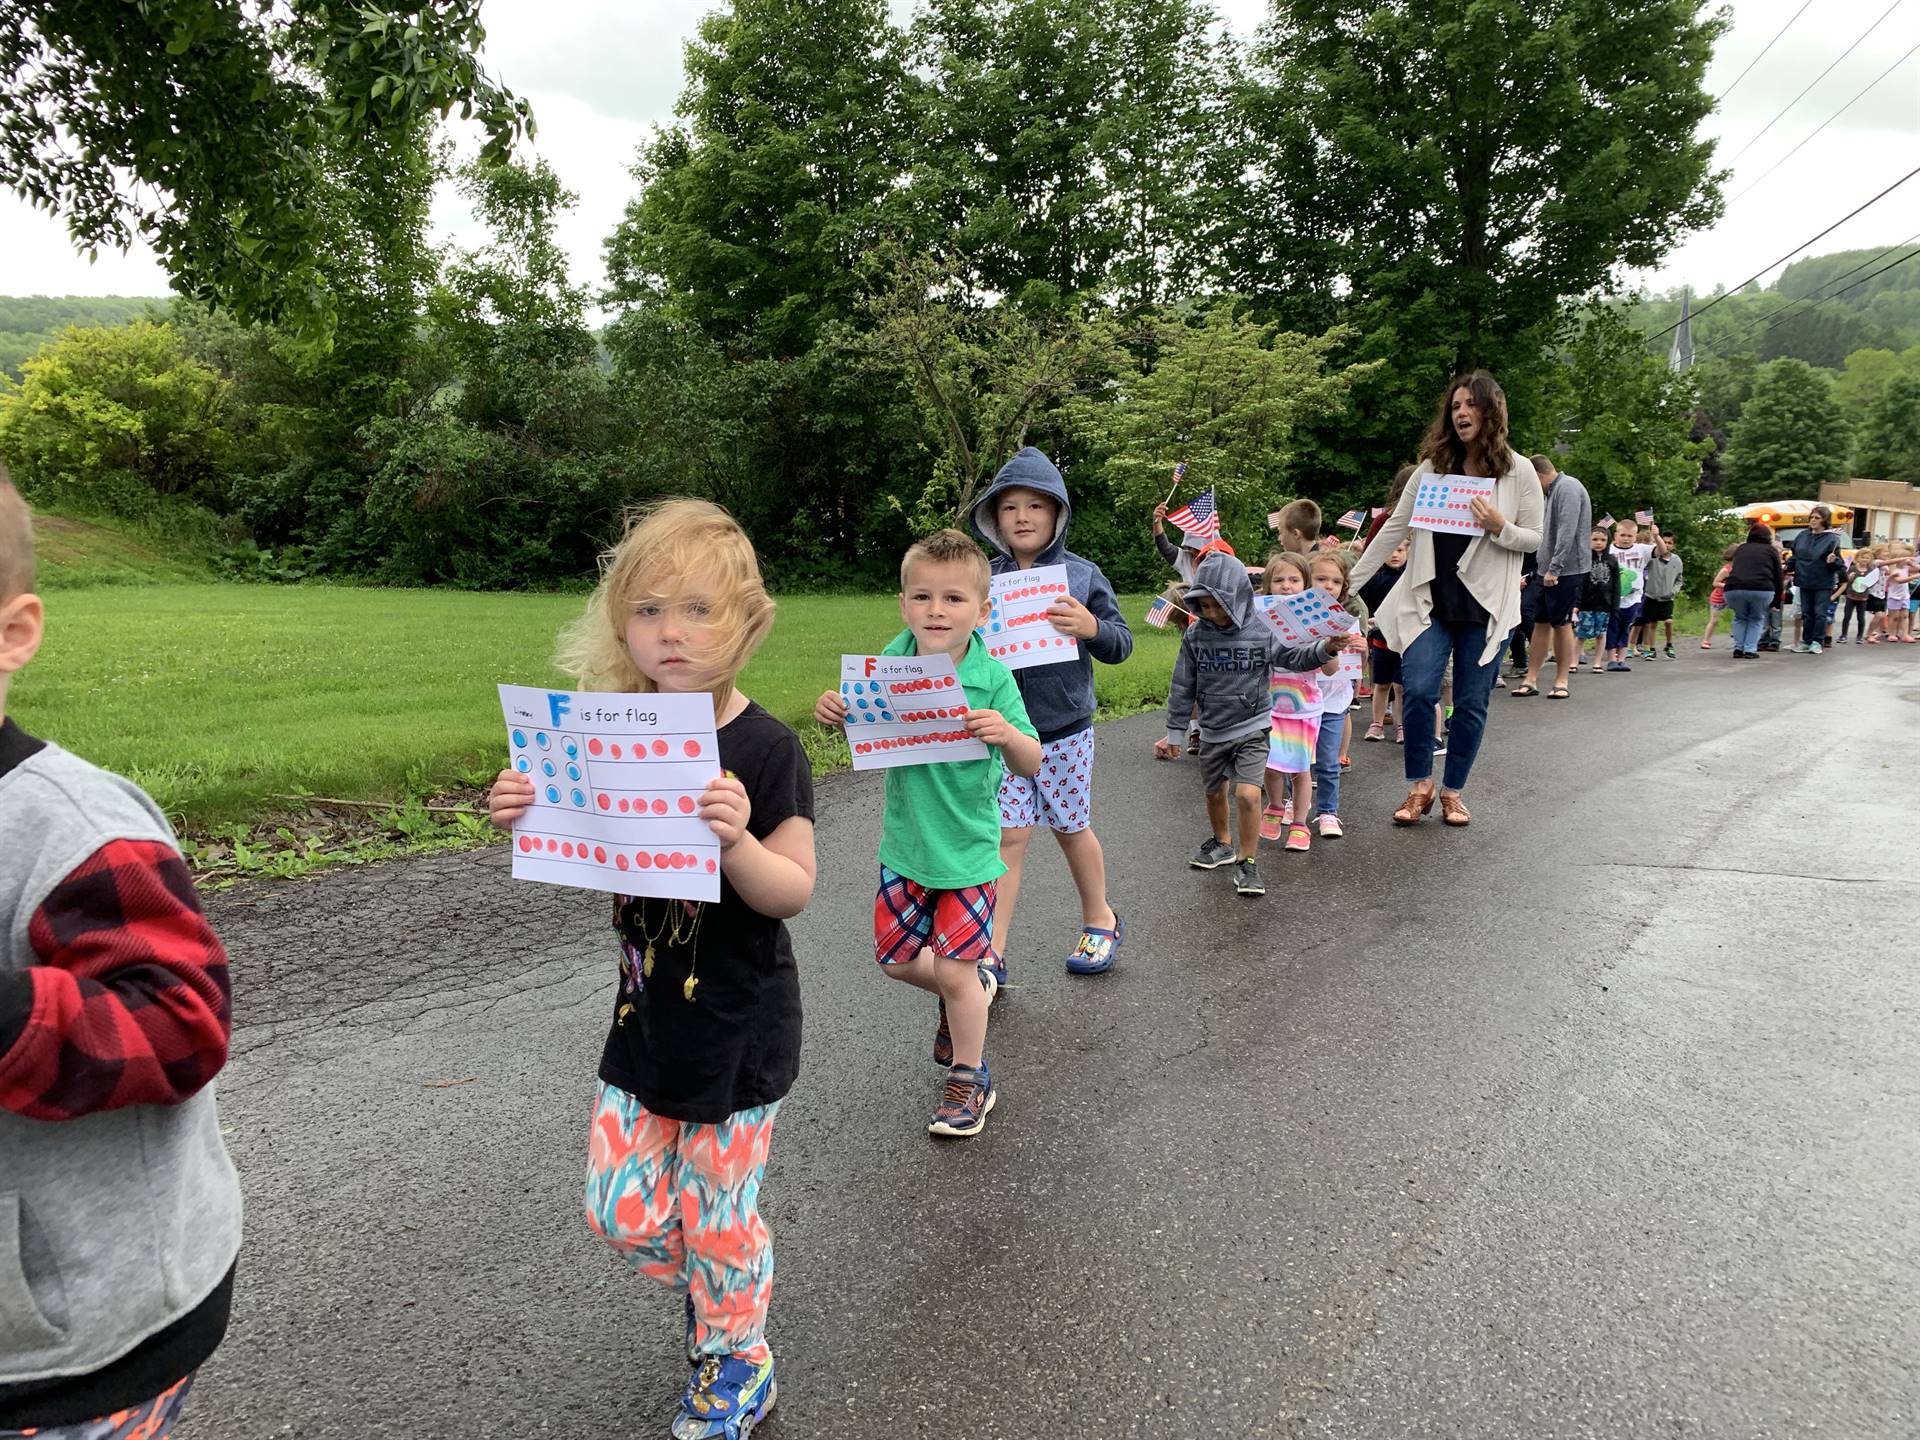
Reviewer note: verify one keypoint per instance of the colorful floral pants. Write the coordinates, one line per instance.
(682, 1202)
(151, 1421)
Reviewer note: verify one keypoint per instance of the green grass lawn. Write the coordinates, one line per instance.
(217, 698)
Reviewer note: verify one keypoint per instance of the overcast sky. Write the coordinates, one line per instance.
(601, 73)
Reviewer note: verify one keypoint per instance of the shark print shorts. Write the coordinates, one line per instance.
(1060, 796)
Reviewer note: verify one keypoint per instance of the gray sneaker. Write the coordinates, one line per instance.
(1246, 879)
(1212, 855)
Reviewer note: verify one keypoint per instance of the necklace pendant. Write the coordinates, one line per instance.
(646, 963)
(687, 989)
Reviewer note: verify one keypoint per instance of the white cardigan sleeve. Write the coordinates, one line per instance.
(1525, 520)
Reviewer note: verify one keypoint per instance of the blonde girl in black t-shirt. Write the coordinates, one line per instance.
(705, 1039)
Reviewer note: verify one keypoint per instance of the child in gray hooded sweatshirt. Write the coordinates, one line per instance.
(1225, 659)
(1024, 516)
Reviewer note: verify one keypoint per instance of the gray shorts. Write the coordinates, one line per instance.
(1243, 761)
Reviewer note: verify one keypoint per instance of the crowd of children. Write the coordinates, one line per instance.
(704, 1041)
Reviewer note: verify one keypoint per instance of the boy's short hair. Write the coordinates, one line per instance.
(16, 540)
(1302, 517)
(949, 547)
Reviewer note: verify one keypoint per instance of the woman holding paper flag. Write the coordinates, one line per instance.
(1469, 512)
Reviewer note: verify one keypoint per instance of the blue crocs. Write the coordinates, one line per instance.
(725, 1399)
(1098, 949)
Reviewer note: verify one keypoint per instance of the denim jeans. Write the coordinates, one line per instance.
(1749, 616)
(1816, 607)
(1326, 764)
(1422, 668)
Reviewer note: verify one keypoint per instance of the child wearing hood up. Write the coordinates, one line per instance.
(1024, 516)
(1225, 659)
(1185, 559)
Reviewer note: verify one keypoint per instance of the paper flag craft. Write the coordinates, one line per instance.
(1444, 503)
(617, 781)
(905, 710)
(1350, 664)
(1304, 618)
(1017, 632)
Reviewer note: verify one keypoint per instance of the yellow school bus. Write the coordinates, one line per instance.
(1788, 518)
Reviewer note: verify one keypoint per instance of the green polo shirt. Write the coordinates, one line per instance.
(942, 822)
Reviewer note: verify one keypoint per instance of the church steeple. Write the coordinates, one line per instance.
(1680, 358)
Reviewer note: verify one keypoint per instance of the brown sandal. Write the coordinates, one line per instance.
(1454, 811)
(1419, 802)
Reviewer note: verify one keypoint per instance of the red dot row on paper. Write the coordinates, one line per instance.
(659, 805)
(902, 742)
(640, 750)
(1024, 592)
(1033, 617)
(641, 859)
(914, 687)
(958, 712)
(1017, 646)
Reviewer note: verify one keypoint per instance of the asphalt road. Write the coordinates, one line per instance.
(1601, 1118)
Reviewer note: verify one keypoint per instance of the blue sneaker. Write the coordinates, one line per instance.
(1098, 949)
(725, 1399)
(964, 1105)
(1618, 667)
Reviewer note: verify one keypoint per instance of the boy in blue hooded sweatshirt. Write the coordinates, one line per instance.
(1024, 516)
(1224, 662)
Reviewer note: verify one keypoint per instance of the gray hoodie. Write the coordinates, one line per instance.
(1059, 697)
(1226, 670)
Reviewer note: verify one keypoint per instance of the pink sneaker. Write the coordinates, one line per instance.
(1298, 837)
(1272, 823)
(1330, 827)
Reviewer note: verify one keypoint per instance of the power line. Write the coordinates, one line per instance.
(1829, 120)
(1815, 81)
(1777, 317)
(1790, 254)
(1763, 53)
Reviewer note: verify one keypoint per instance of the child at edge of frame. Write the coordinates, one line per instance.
(940, 828)
(690, 1079)
(1024, 515)
(115, 1017)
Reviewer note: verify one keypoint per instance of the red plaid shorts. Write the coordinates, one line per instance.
(907, 915)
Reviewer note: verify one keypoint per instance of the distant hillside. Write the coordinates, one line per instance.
(1821, 309)
(28, 321)
(72, 554)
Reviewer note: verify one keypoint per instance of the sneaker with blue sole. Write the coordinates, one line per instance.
(996, 966)
(1098, 949)
(725, 1399)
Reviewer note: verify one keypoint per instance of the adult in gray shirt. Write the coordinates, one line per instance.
(1563, 559)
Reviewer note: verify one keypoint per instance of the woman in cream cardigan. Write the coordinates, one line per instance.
(1459, 595)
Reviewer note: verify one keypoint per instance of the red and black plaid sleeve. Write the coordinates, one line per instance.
(129, 1003)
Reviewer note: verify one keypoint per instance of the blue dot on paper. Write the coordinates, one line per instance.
(869, 718)
(540, 739)
(546, 768)
(861, 703)
(578, 798)
(573, 772)
(520, 737)
(572, 747)
(522, 765)
(553, 794)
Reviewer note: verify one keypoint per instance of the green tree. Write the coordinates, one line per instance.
(1226, 395)
(1823, 334)
(1790, 437)
(100, 404)
(982, 376)
(757, 205)
(1092, 181)
(206, 126)
(1469, 164)
(1724, 386)
(1626, 427)
(1889, 447)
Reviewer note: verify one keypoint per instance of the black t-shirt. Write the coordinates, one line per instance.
(736, 1043)
(1378, 584)
(1452, 601)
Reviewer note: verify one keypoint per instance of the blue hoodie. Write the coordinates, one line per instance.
(1059, 697)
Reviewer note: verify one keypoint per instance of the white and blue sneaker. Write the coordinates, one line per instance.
(725, 1399)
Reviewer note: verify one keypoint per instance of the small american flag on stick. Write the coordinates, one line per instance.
(1160, 612)
(1352, 520)
(1197, 516)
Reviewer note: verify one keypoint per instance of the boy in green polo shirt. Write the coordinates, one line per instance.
(940, 837)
